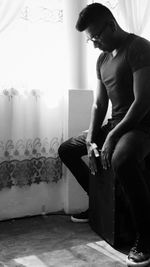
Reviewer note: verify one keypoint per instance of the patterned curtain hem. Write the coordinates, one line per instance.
(27, 172)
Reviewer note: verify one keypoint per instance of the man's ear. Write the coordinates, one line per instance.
(113, 25)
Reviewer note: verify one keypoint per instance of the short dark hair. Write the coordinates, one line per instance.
(90, 14)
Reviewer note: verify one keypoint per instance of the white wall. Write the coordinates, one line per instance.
(79, 110)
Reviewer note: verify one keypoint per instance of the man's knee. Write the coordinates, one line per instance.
(69, 148)
(126, 154)
(122, 162)
(60, 151)
(63, 149)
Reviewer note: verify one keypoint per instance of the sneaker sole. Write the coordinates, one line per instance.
(138, 264)
(79, 220)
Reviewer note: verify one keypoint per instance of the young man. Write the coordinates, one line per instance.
(123, 77)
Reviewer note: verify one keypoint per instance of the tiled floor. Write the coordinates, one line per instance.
(54, 241)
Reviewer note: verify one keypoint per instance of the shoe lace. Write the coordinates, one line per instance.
(140, 246)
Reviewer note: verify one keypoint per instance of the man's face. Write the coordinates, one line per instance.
(101, 35)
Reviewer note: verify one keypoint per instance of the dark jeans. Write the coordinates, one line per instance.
(127, 164)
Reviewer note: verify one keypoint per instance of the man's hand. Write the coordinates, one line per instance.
(93, 153)
(107, 151)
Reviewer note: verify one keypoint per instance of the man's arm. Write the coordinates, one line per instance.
(140, 106)
(137, 111)
(98, 112)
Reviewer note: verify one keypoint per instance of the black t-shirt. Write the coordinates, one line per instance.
(116, 73)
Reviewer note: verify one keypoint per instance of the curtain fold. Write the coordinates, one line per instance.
(8, 11)
(135, 14)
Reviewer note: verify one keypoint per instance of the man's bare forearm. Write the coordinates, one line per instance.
(97, 117)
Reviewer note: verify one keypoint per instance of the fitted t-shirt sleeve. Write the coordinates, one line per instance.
(139, 54)
(98, 65)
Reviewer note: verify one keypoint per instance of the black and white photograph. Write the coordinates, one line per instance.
(74, 133)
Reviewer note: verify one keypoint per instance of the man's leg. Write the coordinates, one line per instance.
(71, 152)
(127, 163)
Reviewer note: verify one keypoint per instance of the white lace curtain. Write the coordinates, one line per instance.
(32, 70)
